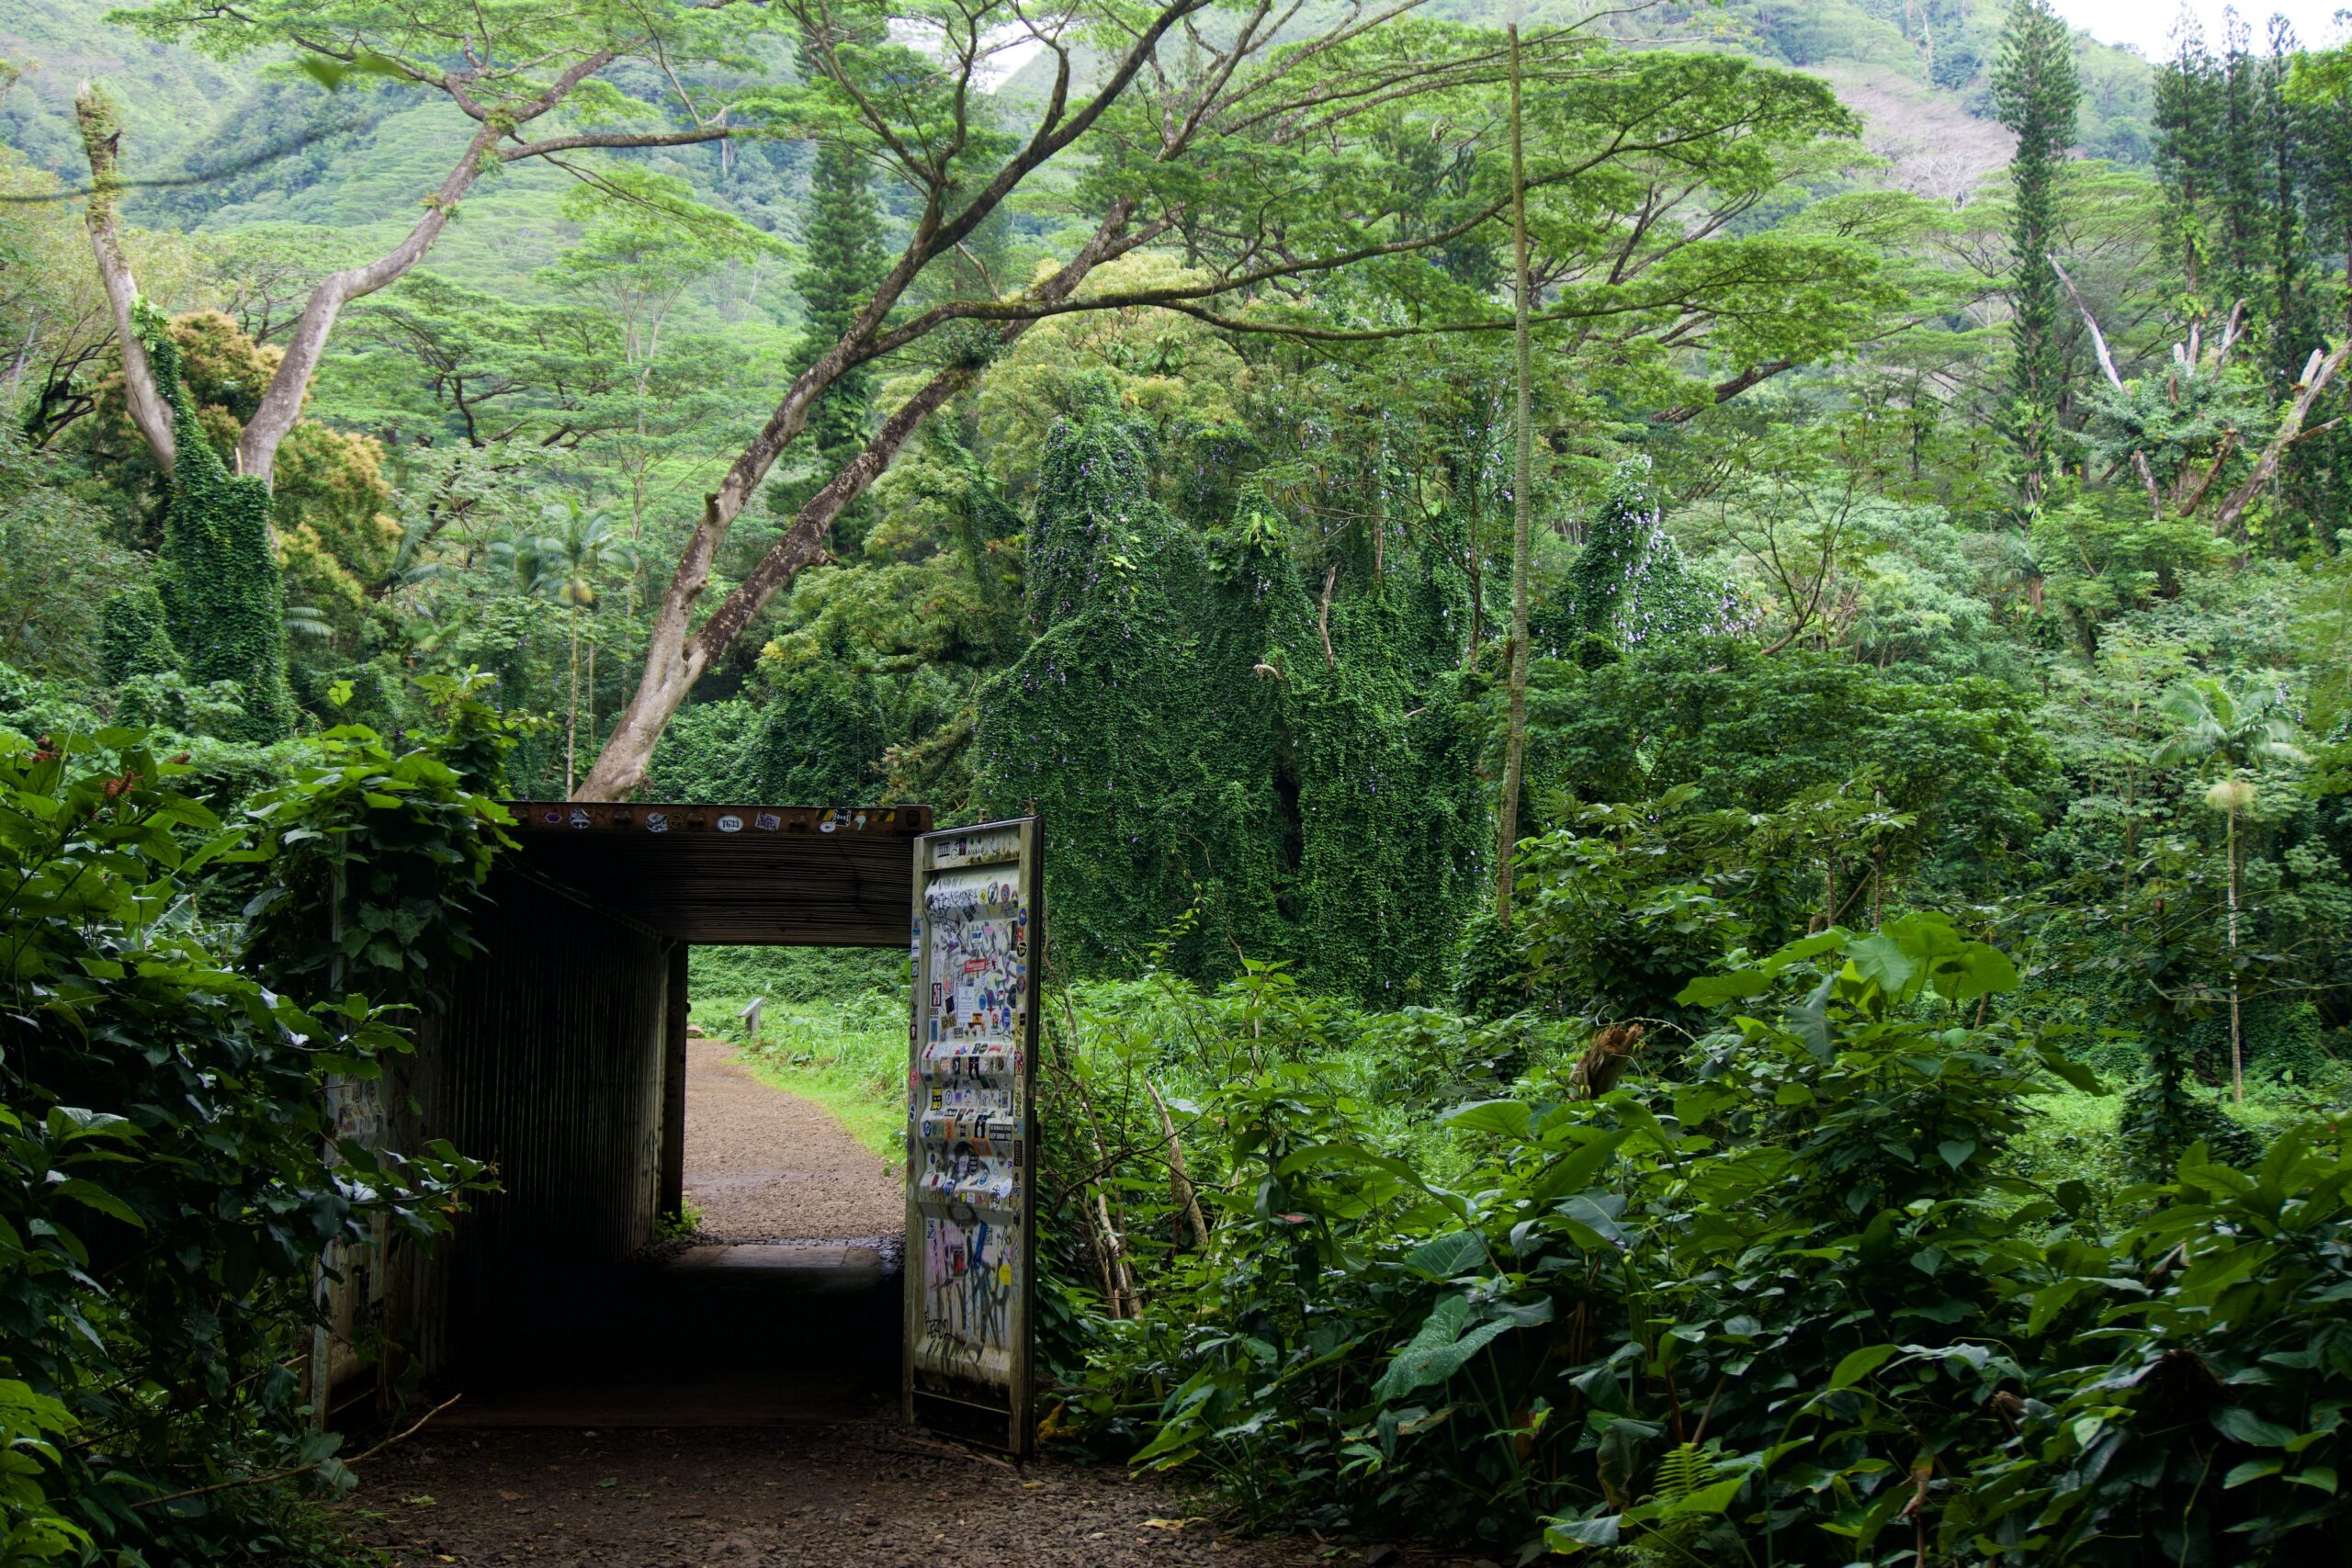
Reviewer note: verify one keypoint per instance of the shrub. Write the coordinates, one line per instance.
(1832, 1298)
(166, 1188)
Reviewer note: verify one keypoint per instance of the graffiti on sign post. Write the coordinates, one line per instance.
(970, 1167)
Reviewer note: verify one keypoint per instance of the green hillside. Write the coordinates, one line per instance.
(1906, 64)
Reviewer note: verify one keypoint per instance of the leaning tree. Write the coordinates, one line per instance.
(1283, 152)
(522, 79)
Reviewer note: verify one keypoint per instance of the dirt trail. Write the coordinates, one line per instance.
(767, 1165)
(854, 1496)
(826, 1492)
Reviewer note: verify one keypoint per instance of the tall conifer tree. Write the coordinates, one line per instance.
(2293, 323)
(2035, 92)
(843, 248)
(2241, 189)
(2188, 119)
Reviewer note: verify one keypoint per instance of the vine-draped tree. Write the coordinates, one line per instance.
(2034, 91)
(1212, 138)
(223, 596)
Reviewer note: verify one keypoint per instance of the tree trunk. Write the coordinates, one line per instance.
(281, 404)
(1522, 468)
(675, 655)
(571, 708)
(2318, 371)
(150, 406)
(1181, 1194)
(2238, 1031)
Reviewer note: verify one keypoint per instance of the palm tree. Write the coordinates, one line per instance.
(2217, 726)
(563, 564)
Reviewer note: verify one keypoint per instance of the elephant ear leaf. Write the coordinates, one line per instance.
(1441, 1350)
(1454, 1253)
(1809, 1021)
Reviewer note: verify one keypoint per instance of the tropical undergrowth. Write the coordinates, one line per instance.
(180, 990)
(1811, 1299)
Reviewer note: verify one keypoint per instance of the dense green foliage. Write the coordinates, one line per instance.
(1195, 745)
(171, 1177)
(1940, 621)
(1790, 1306)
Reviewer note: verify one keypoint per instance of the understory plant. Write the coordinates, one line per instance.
(170, 1181)
(1792, 1308)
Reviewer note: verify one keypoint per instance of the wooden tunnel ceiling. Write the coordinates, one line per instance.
(790, 875)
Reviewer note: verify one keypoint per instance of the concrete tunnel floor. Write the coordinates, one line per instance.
(784, 1308)
(766, 1166)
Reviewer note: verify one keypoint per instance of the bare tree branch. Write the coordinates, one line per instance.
(2098, 338)
(151, 408)
(2317, 373)
(2107, 363)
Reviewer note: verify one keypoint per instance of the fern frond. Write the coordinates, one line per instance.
(1683, 1471)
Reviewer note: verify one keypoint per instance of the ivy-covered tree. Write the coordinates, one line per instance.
(1201, 734)
(2034, 93)
(132, 640)
(224, 594)
(1631, 586)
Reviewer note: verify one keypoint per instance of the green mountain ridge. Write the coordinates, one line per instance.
(269, 149)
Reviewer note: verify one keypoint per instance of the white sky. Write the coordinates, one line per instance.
(2148, 23)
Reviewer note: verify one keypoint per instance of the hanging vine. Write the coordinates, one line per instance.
(1192, 745)
(222, 592)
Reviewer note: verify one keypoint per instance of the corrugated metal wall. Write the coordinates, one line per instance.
(549, 1063)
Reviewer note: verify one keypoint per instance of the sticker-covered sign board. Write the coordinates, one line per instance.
(971, 1135)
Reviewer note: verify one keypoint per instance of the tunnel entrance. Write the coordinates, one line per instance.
(564, 1057)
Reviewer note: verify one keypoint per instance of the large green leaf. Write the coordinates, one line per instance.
(1855, 1365)
(1809, 1021)
(1446, 1342)
(2238, 1423)
(1508, 1117)
(1444, 1257)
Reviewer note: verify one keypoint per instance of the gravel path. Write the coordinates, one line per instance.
(826, 1491)
(763, 1165)
(863, 1495)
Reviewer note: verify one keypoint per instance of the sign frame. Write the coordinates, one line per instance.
(972, 1047)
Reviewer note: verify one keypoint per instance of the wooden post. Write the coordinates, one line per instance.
(673, 1197)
